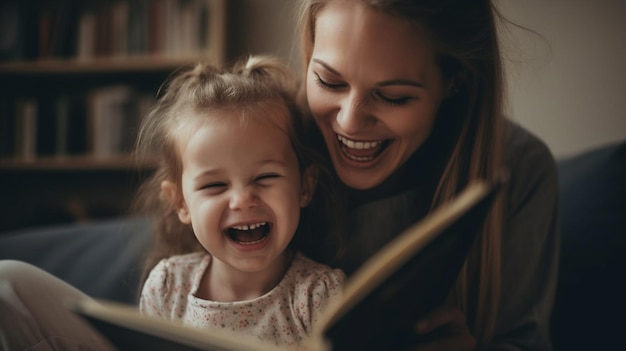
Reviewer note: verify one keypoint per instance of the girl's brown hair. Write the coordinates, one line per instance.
(464, 35)
(191, 94)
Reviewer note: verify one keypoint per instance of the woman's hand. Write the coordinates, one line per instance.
(448, 329)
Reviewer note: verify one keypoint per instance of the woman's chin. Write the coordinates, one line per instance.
(358, 179)
(360, 175)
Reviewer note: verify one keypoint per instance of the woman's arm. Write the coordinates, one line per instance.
(529, 259)
(530, 252)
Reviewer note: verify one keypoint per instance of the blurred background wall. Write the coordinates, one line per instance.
(567, 80)
(568, 85)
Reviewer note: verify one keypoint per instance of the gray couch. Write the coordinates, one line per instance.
(103, 259)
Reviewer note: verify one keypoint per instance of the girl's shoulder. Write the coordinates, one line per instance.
(177, 267)
(185, 260)
(307, 274)
(304, 266)
(310, 287)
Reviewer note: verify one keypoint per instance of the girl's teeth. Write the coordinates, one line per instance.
(249, 227)
(359, 145)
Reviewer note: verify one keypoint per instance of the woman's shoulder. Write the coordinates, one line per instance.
(524, 149)
(523, 146)
(526, 155)
(530, 163)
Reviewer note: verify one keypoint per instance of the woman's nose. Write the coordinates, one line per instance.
(352, 115)
(243, 198)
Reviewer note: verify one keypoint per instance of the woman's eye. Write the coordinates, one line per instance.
(326, 84)
(393, 101)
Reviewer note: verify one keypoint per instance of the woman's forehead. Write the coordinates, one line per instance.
(363, 40)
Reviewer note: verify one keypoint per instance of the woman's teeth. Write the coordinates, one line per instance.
(359, 145)
(361, 151)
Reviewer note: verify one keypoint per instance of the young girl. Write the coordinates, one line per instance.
(231, 182)
(234, 196)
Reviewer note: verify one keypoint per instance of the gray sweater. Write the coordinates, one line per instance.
(530, 240)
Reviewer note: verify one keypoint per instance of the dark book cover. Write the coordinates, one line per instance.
(7, 127)
(46, 126)
(76, 133)
(64, 29)
(386, 316)
(138, 27)
(18, 30)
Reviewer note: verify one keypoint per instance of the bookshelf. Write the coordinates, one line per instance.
(76, 77)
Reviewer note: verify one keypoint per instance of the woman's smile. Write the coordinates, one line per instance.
(361, 151)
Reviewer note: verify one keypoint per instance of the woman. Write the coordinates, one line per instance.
(407, 97)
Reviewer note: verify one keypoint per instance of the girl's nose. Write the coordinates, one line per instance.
(242, 199)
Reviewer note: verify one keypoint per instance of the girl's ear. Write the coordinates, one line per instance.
(309, 182)
(170, 191)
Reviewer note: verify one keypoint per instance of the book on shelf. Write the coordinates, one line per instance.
(90, 29)
(46, 125)
(26, 111)
(381, 303)
(168, 28)
(19, 39)
(98, 123)
(57, 28)
(71, 124)
(107, 107)
(114, 114)
(7, 127)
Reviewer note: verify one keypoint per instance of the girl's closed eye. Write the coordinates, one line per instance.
(267, 178)
(213, 187)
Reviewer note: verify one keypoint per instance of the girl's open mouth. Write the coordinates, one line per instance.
(249, 234)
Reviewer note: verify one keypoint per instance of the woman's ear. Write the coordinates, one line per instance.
(171, 193)
(309, 182)
(455, 83)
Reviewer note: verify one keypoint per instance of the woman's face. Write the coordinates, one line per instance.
(374, 88)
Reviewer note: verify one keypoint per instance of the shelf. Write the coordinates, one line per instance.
(130, 64)
(75, 80)
(77, 163)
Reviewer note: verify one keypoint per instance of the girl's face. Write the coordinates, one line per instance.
(241, 190)
(374, 88)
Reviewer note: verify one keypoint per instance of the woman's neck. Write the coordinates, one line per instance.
(418, 171)
(422, 170)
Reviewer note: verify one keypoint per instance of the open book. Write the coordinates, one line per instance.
(380, 305)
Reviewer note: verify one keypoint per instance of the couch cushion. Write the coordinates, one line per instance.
(102, 259)
(589, 305)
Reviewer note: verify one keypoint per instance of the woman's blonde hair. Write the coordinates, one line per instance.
(464, 35)
(191, 95)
